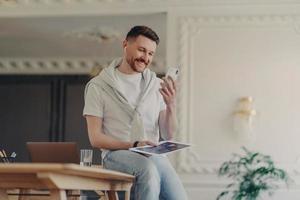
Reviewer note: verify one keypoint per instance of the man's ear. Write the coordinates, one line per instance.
(125, 44)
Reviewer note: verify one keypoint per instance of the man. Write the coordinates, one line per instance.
(126, 106)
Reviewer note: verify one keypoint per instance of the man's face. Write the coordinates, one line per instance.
(139, 52)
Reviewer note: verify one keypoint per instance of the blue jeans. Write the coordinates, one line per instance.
(155, 178)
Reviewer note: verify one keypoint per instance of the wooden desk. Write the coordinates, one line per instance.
(58, 178)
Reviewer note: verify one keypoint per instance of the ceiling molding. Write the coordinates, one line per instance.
(151, 2)
(98, 34)
(63, 65)
(16, 8)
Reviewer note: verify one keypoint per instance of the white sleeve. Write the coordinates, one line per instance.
(93, 103)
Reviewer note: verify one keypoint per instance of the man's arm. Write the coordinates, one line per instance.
(168, 118)
(167, 123)
(100, 140)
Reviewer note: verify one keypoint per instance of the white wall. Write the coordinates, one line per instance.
(225, 54)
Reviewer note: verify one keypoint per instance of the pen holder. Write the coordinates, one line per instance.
(7, 159)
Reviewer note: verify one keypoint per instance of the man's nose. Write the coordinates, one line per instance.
(145, 57)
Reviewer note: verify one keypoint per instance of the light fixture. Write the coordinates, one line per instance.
(243, 118)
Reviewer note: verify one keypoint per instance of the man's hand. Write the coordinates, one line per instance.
(146, 142)
(167, 118)
(168, 91)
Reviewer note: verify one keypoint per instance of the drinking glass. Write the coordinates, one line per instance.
(86, 157)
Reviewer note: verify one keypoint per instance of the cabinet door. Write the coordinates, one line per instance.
(24, 115)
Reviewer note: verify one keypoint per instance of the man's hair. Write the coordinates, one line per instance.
(144, 31)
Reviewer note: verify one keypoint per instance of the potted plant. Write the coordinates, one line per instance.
(253, 174)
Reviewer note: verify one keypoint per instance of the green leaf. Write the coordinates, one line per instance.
(222, 194)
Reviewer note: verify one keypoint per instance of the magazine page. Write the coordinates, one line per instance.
(163, 147)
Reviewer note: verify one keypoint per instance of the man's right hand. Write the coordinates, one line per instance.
(146, 142)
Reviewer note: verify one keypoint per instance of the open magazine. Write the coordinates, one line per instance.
(163, 147)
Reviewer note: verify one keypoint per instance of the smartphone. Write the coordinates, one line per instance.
(173, 72)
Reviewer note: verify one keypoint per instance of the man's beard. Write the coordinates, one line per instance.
(131, 63)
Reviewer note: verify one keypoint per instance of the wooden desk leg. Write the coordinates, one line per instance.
(3, 194)
(127, 195)
(58, 195)
(113, 195)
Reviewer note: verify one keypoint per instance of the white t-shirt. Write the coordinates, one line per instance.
(131, 86)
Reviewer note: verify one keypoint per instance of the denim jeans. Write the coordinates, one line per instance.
(155, 178)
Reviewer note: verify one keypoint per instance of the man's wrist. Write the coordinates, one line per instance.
(135, 144)
(171, 107)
